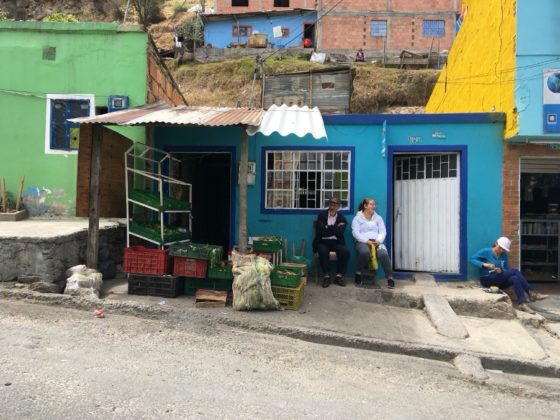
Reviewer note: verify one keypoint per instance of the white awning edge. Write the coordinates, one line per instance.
(286, 120)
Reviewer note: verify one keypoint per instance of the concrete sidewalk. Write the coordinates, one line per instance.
(376, 319)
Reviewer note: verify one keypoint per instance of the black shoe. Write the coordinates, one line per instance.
(326, 281)
(358, 278)
(390, 283)
(340, 281)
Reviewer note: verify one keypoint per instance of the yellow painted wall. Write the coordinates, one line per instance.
(480, 71)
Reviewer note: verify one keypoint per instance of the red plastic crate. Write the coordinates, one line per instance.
(189, 267)
(142, 260)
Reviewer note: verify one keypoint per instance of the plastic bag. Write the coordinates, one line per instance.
(372, 263)
(83, 281)
(251, 283)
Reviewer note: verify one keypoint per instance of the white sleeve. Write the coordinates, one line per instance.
(356, 224)
(382, 230)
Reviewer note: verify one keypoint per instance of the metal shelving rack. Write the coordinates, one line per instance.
(540, 253)
(151, 168)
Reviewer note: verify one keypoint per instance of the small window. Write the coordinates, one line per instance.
(379, 28)
(241, 3)
(242, 30)
(62, 136)
(433, 28)
(285, 32)
(281, 3)
(300, 179)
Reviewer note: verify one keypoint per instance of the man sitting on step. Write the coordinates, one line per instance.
(494, 271)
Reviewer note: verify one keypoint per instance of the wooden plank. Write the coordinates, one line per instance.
(210, 299)
(20, 192)
(92, 252)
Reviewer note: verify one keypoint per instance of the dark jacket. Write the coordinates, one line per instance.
(323, 230)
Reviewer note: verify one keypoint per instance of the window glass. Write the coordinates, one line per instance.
(281, 3)
(63, 135)
(240, 2)
(306, 180)
(433, 28)
(379, 28)
(242, 30)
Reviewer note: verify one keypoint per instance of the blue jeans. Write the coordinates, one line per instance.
(508, 278)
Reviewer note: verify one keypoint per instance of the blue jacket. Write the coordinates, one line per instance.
(485, 255)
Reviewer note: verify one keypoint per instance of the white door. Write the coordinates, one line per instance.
(426, 212)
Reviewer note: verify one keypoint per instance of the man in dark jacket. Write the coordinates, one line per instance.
(329, 236)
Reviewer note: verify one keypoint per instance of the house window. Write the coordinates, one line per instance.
(281, 3)
(240, 3)
(242, 30)
(379, 28)
(433, 28)
(306, 179)
(285, 32)
(62, 136)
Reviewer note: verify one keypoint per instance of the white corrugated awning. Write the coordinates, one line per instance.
(286, 120)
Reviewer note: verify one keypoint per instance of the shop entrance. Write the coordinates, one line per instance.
(540, 218)
(210, 175)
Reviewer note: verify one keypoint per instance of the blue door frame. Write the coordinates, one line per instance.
(463, 154)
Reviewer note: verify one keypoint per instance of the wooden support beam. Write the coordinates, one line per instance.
(243, 166)
(92, 252)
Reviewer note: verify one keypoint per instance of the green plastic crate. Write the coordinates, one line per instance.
(148, 230)
(267, 244)
(289, 297)
(219, 272)
(286, 276)
(152, 199)
(212, 253)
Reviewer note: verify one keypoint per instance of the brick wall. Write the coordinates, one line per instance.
(511, 194)
(224, 6)
(160, 84)
(112, 183)
(404, 33)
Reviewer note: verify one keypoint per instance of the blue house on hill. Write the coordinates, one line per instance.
(278, 28)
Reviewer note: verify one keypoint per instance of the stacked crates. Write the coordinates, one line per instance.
(288, 285)
(147, 272)
(201, 267)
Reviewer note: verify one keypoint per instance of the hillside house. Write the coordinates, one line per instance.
(373, 25)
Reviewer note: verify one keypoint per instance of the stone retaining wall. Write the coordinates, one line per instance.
(49, 258)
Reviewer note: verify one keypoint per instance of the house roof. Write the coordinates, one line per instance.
(215, 17)
(161, 114)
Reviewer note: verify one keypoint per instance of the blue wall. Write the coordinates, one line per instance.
(538, 33)
(220, 33)
(475, 135)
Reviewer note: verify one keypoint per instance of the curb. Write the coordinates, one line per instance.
(443, 354)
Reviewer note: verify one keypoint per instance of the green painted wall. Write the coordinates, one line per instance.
(91, 58)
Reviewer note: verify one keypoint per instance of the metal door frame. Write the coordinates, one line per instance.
(463, 199)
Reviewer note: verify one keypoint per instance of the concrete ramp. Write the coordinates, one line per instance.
(446, 322)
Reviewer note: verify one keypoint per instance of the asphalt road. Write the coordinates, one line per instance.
(58, 363)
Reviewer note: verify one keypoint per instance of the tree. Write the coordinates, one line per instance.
(60, 17)
(148, 11)
(192, 31)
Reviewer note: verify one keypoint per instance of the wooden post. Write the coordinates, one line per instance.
(92, 251)
(243, 164)
(4, 199)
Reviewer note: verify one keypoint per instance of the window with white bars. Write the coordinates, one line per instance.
(426, 167)
(307, 179)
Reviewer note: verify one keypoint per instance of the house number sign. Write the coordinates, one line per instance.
(414, 139)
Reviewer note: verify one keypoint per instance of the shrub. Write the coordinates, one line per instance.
(60, 17)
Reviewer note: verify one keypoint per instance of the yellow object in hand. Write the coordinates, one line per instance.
(372, 265)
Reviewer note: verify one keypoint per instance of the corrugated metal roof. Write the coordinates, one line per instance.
(161, 114)
(286, 120)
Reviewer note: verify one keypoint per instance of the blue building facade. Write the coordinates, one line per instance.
(364, 156)
(222, 31)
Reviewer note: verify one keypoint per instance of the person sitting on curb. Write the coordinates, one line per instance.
(329, 236)
(494, 271)
(368, 228)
